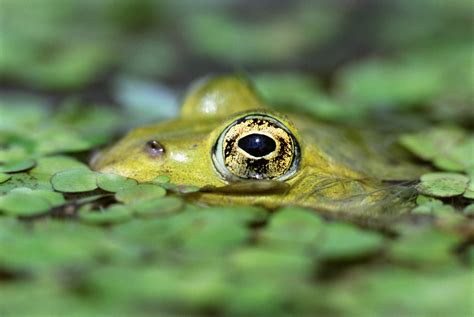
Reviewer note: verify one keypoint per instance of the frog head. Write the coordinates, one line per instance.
(230, 144)
(225, 133)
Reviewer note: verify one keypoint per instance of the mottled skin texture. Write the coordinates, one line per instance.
(339, 172)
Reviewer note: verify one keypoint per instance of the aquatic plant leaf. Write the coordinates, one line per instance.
(23, 204)
(157, 207)
(425, 246)
(50, 165)
(19, 166)
(443, 184)
(343, 240)
(430, 205)
(161, 179)
(469, 193)
(111, 215)
(113, 183)
(53, 198)
(4, 177)
(139, 192)
(74, 180)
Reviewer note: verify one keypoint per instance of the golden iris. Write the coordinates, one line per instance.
(256, 146)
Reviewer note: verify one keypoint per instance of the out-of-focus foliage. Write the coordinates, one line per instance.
(76, 74)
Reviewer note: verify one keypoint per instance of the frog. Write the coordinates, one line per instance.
(238, 150)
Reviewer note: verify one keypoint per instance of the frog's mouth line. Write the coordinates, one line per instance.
(250, 187)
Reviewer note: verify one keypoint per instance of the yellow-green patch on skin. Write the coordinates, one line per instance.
(337, 171)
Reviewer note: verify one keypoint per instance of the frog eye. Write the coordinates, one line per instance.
(256, 146)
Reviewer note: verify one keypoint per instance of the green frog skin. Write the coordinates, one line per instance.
(238, 150)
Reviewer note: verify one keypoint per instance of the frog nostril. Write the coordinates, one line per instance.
(155, 148)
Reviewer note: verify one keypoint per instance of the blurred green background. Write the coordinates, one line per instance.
(362, 54)
(72, 71)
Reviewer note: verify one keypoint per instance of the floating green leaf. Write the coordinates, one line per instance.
(74, 181)
(429, 205)
(343, 240)
(26, 180)
(4, 177)
(52, 245)
(424, 246)
(430, 143)
(296, 90)
(295, 229)
(161, 179)
(18, 166)
(53, 198)
(92, 198)
(50, 165)
(144, 101)
(469, 210)
(443, 184)
(111, 215)
(157, 207)
(113, 183)
(449, 148)
(213, 236)
(272, 261)
(139, 192)
(58, 139)
(405, 83)
(469, 193)
(23, 204)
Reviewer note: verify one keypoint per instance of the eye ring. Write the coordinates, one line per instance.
(256, 146)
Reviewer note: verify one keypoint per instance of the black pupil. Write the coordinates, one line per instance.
(257, 145)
